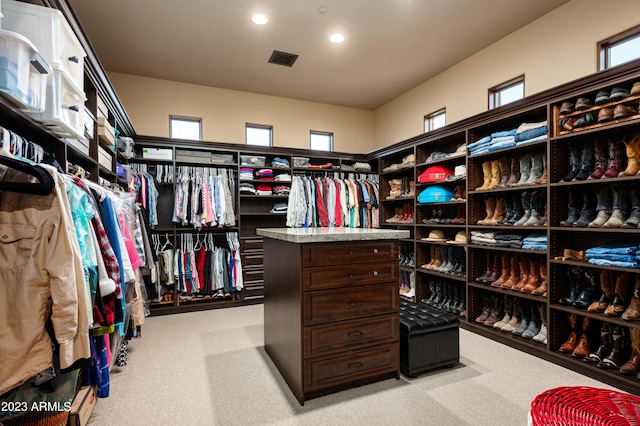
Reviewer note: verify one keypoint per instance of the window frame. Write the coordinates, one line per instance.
(604, 47)
(258, 126)
(494, 92)
(430, 118)
(321, 133)
(184, 118)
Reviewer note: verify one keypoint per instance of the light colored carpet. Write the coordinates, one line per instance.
(210, 368)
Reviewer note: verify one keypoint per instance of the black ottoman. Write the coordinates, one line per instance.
(428, 338)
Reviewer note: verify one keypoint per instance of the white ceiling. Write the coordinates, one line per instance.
(391, 46)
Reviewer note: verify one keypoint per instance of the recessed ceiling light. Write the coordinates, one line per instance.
(323, 9)
(336, 38)
(259, 19)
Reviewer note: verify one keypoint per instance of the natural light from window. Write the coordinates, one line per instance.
(321, 141)
(186, 128)
(259, 135)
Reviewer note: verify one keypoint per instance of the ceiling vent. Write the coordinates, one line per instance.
(282, 58)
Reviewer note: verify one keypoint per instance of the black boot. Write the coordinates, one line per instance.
(432, 296)
(461, 306)
(439, 295)
(619, 349)
(574, 208)
(634, 217)
(573, 289)
(586, 162)
(587, 213)
(508, 211)
(589, 281)
(454, 300)
(604, 348)
(517, 211)
(574, 162)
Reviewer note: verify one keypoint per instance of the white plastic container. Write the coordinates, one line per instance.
(23, 72)
(51, 34)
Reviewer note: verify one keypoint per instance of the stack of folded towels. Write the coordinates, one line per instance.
(621, 255)
(247, 188)
(264, 174)
(535, 241)
(262, 189)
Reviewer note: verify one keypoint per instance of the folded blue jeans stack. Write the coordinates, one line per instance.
(525, 133)
(621, 255)
(535, 241)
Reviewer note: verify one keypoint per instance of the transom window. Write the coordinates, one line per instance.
(185, 127)
(322, 141)
(507, 92)
(258, 134)
(435, 120)
(619, 49)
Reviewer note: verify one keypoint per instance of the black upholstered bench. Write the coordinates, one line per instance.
(429, 338)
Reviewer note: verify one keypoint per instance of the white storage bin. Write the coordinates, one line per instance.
(23, 73)
(64, 106)
(52, 35)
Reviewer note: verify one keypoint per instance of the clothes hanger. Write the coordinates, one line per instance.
(45, 186)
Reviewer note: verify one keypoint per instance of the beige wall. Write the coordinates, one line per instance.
(555, 49)
(224, 113)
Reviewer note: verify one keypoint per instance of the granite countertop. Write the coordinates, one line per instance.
(323, 235)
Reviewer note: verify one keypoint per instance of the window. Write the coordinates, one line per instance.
(619, 49)
(185, 128)
(258, 134)
(435, 120)
(505, 93)
(322, 141)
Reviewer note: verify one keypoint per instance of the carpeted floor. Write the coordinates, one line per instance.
(210, 368)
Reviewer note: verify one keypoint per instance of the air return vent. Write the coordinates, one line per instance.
(282, 58)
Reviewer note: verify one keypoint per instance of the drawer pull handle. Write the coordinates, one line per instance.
(354, 334)
(355, 365)
(355, 303)
(375, 250)
(375, 273)
(74, 59)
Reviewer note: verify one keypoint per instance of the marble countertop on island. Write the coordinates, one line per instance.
(325, 235)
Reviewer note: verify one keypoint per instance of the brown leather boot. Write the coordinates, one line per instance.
(438, 258)
(606, 284)
(495, 174)
(582, 349)
(622, 289)
(506, 271)
(534, 277)
(570, 344)
(496, 312)
(515, 273)
(503, 164)
(633, 365)
(486, 309)
(633, 157)
(432, 259)
(542, 288)
(632, 313)
(490, 207)
(524, 274)
(515, 171)
(486, 172)
(498, 213)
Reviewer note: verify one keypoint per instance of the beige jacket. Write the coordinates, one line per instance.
(41, 275)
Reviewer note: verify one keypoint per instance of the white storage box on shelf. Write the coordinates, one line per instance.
(64, 106)
(52, 35)
(23, 72)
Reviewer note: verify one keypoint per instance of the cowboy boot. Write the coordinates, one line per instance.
(490, 207)
(538, 216)
(495, 269)
(534, 324)
(570, 344)
(586, 162)
(524, 274)
(439, 294)
(534, 277)
(432, 292)
(618, 353)
(525, 167)
(514, 177)
(572, 291)
(620, 207)
(574, 162)
(515, 274)
(516, 209)
(432, 259)
(486, 171)
(633, 160)
(542, 288)
(508, 311)
(444, 255)
(604, 348)
(508, 211)
(461, 309)
(615, 159)
(600, 156)
(503, 166)
(587, 213)
(483, 278)
(486, 309)
(496, 310)
(536, 168)
(574, 208)
(498, 213)
(495, 174)
(632, 313)
(633, 365)
(451, 257)
(506, 271)
(396, 189)
(634, 217)
(514, 322)
(541, 337)
(525, 199)
(582, 348)
(543, 178)
(525, 314)
(617, 306)
(604, 208)
(588, 293)
(606, 285)
(438, 255)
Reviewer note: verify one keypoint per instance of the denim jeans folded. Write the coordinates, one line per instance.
(480, 240)
(512, 244)
(603, 262)
(535, 239)
(501, 145)
(502, 133)
(482, 141)
(480, 151)
(480, 234)
(502, 139)
(536, 139)
(533, 133)
(616, 257)
(530, 126)
(541, 247)
(611, 249)
(509, 237)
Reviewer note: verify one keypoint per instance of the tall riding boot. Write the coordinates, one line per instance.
(586, 162)
(587, 213)
(495, 174)
(514, 277)
(534, 277)
(503, 165)
(574, 208)
(573, 286)
(620, 209)
(618, 354)
(633, 364)
(496, 312)
(525, 167)
(541, 337)
(486, 309)
(525, 198)
(542, 288)
(451, 260)
(534, 324)
(498, 213)
(589, 280)
(524, 273)
(517, 210)
(615, 159)
(570, 344)
(622, 289)
(536, 168)
(574, 162)
(604, 207)
(514, 177)
(633, 157)
(514, 322)
(634, 217)
(483, 278)
(490, 208)
(525, 314)
(600, 156)
(537, 217)
(606, 285)
(582, 349)
(543, 178)
(604, 348)
(486, 172)
(632, 313)
(508, 311)
(506, 271)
